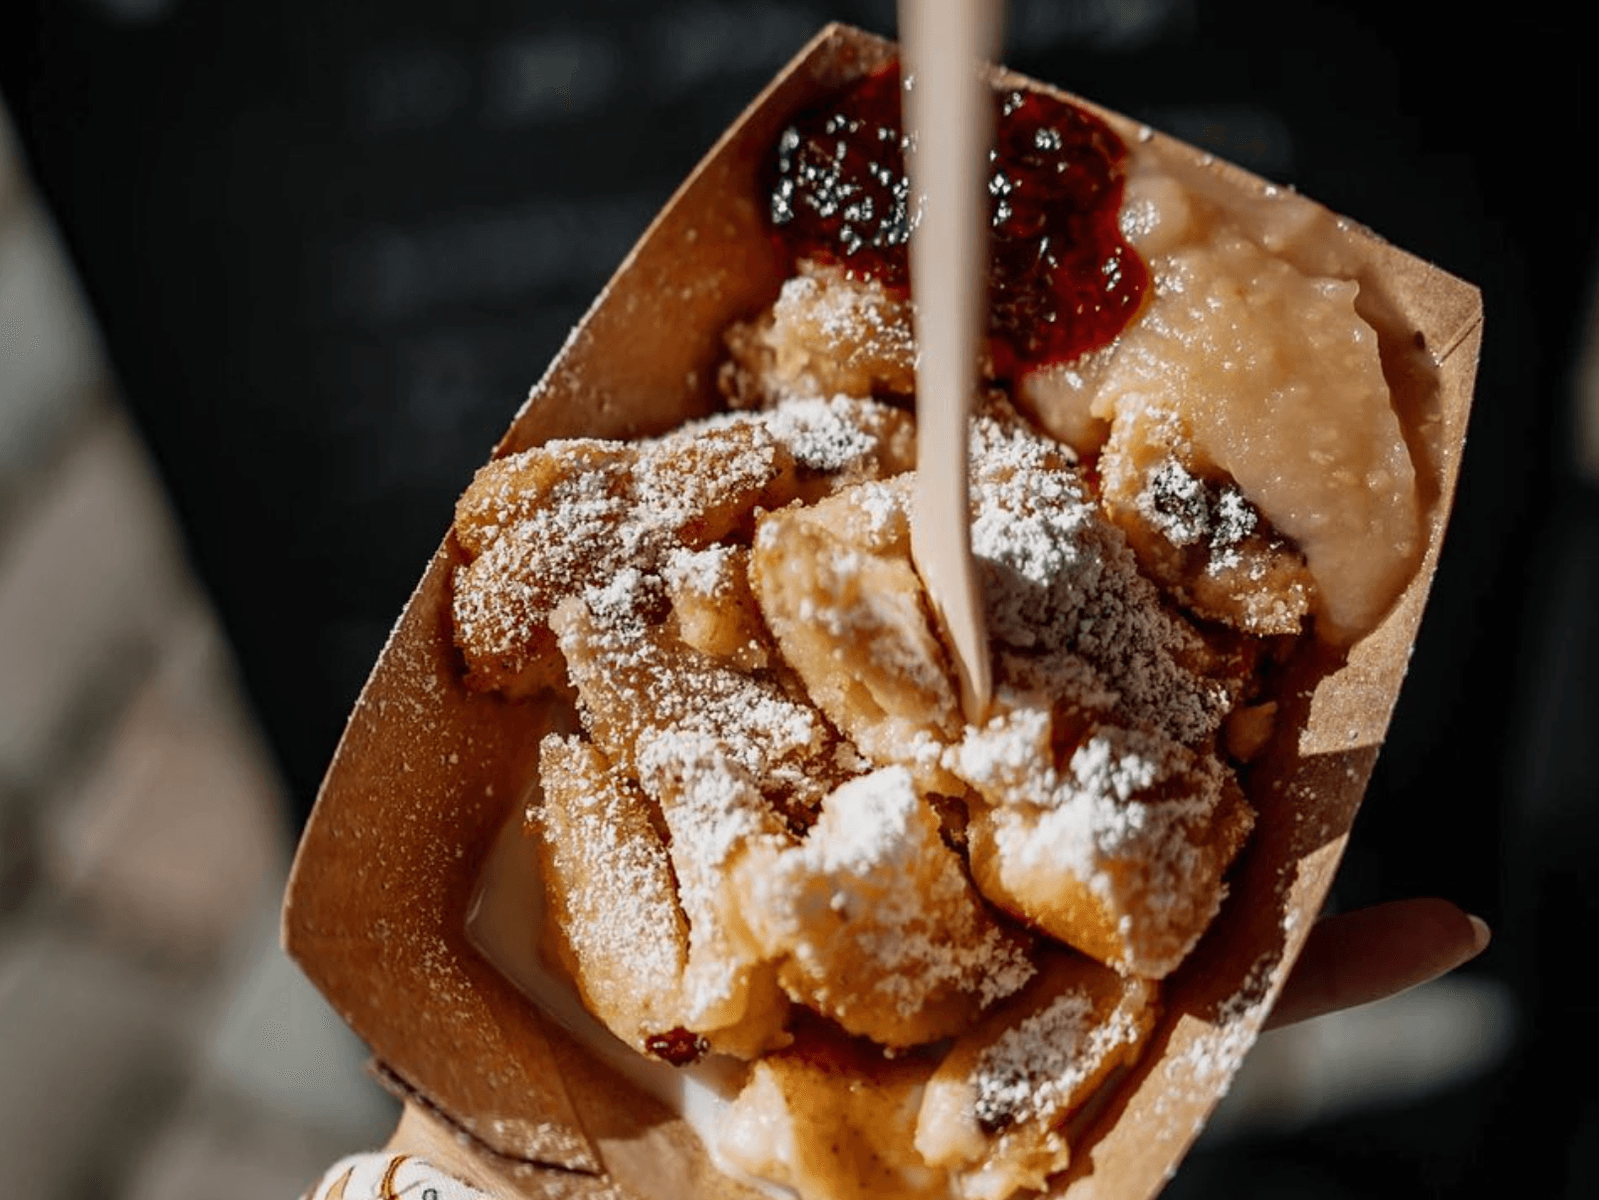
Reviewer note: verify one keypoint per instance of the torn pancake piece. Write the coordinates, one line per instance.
(635, 680)
(550, 522)
(994, 1112)
(833, 1119)
(1113, 840)
(717, 818)
(1067, 608)
(836, 586)
(614, 924)
(828, 333)
(1197, 534)
(553, 521)
(873, 921)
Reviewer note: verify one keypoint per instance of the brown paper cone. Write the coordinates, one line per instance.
(427, 772)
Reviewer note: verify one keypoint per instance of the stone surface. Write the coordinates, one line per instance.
(90, 577)
(277, 1090)
(50, 367)
(278, 1041)
(94, 1051)
(154, 1042)
(222, 1146)
(171, 834)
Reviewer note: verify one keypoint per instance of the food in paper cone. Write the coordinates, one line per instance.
(775, 837)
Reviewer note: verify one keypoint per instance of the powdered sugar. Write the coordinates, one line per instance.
(609, 878)
(799, 862)
(704, 572)
(1190, 513)
(1133, 819)
(715, 812)
(903, 926)
(822, 435)
(1062, 590)
(1035, 1069)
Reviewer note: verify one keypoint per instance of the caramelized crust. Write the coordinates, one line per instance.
(714, 608)
(635, 682)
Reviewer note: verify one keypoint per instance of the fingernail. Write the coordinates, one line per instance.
(1483, 934)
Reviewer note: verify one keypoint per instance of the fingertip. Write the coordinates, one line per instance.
(1440, 934)
(1481, 934)
(1373, 953)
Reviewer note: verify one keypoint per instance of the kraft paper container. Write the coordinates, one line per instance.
(428, 772)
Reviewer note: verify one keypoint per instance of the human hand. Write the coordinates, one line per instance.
(1372, 953)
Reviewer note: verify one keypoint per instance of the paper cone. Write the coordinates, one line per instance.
(428, 772)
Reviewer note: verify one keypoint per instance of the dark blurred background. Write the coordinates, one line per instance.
(329, 247)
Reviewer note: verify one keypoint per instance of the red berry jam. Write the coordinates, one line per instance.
(1062, 279)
